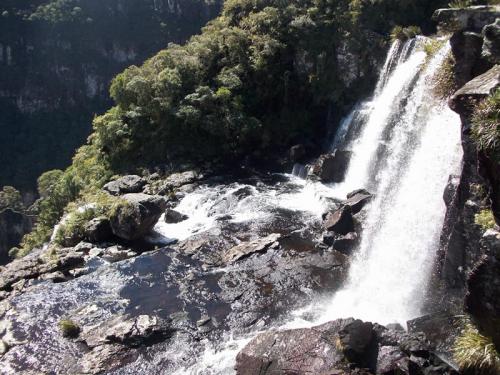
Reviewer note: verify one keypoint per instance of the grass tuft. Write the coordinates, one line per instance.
(475, 353)
(69, 328)
(405, 33)
(486, 126)
(485, 219)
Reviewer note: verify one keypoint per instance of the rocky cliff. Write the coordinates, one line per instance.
(57, 59)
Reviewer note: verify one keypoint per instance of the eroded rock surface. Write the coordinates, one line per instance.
(343, 346)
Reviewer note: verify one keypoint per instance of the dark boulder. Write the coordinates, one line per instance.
(491, 45)
(340, 221)
(356, 340)
(357, 200)
(136, 217)
(176, 180)
(98, 230)
(440, 329)
(331, 167)
(306, 351)
(173, 216)
(125, 184)
(346, 243)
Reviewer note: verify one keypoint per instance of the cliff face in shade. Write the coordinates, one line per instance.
(57, 58)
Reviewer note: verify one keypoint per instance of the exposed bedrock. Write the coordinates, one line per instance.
(344, 346)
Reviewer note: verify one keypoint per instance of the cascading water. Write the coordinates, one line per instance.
(405, 144)
(415, 144)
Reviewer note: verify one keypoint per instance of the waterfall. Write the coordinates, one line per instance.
(405, 144)
(405, 148)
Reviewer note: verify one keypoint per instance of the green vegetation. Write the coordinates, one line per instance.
(11, 198)
(462, 3)
(475, 353)
(86, 172)
(259, 78)
(432, 46)
(485, 219)
(58, 11)
(90, 206)
(445, 83)
(69, 328)
(405, 33)
(486, 126)
(444, 80)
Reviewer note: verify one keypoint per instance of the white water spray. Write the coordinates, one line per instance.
(420, 143)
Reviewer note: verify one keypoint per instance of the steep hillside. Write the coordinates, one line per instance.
(57, 58)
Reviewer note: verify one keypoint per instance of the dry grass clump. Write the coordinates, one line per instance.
(475, 353)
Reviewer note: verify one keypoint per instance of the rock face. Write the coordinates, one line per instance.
(332, 167)
(247, 248)
(491, 45)
(136, 218)
(357, 200)
(137, 331)
(42, 80)
(98, 230)
(173, 216)
(466, 47)
(474, 18)
(13, 226)
(32, 266)
(472, 92)
(125, 184)
(344, 346)
(483, 297)
(340, 221)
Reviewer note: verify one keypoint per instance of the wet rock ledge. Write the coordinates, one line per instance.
(343, 346)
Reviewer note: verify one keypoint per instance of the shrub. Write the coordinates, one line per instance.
(91, 205)
(485, 219)
(87, 174)
(432, 46)
(405, 33)
(462, 3)
(476, 353)
(10, 198)
(69, 328)
(486, 126)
